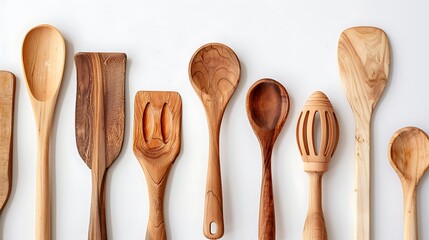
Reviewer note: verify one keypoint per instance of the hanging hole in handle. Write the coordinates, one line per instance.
(213, 228)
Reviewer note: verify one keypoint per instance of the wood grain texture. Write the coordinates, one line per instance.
(317, 111)
(214, 71)
(7, 99)
(363, 58)
(267, 106)
(409, 156)
(100, 123)
(157, 142)
(43, 58)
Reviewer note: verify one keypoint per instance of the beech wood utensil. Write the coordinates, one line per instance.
(267, 106)
(316, 158)
(214, 71)
(7, 98)
(100, 123)
(43, 57)
(363, 58)
(157, 129)
(409, 156)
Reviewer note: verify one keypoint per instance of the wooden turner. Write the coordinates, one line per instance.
(100, 123)
(7, 97)
(157, 127)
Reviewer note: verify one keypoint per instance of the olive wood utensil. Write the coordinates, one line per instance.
(363, 58)
(214, 71)
(267, 106)
(99, 123)
(318, 108)
(43, 57)
(409, 156)
(157, 130)
(7, 99)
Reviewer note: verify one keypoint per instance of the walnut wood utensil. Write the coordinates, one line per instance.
(100, 123)
(7, 98)
(214, 71)
(43, 57)
(267, 105)
(409, 156)
(157, 129)
(316, 158)
(363, 58)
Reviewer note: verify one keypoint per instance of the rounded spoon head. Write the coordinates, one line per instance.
(43, 57)
(409, 153)
(267, 105)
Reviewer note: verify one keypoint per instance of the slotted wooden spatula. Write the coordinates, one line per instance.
(7, 97)
(157, 127)
(100, 123)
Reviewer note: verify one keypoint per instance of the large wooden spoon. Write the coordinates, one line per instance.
(43, 57)
(267, 105)
(363, 58)
(409, 156)
(7, 98)
(157, 129)
(214, 71)
(316, 157)
(100, 123)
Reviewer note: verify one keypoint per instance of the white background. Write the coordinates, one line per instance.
(294, 42)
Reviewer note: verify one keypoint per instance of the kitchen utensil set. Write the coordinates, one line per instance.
(214, 72)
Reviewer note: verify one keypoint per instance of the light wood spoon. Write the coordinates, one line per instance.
(409, 156)
(267, 105)
(43, 57)
(7, 99)
(363, 58)
(157, 129)
(214, 71)
(316, 158)
(100, 123)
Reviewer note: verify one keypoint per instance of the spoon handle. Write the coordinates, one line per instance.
(43, 204)
(213, 212)
(267, 221)
(314, 227)
(410, 211)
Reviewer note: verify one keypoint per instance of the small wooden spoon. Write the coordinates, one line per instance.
(157, 129)
(316, 159)
(7, 98)
(363, 58)
(43, 57)
(214, 71)
(100, 123)
(409, 156)
(267, 105)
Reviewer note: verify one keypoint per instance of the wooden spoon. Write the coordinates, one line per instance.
(43, 57)
(267, 105)
(7, 98)
(157, 129)
(409, 156)
(100, 123)
(316, 158)
(214, 71)
(363, 58)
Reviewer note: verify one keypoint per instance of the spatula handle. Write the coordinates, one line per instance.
(43, 202)
(97, 221)
(314, 228)
(213, 227)
(410, 211)
(267, 221)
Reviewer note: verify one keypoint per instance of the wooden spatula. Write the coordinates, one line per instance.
(100, 123)
(7, 97)
(157, 128)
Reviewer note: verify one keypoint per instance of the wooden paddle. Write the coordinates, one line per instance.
(363, 58)
(157, 127)
(100, 123)
(7, 98)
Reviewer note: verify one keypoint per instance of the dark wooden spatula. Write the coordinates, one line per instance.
(100, 123)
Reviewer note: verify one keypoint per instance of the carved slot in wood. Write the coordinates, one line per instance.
(148, 122)
(166, 123)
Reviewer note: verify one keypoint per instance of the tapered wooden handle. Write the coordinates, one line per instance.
(267, 222)
(410, 211)
(97, 221)
(43, 203)
(213, 212)
(314, 228)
